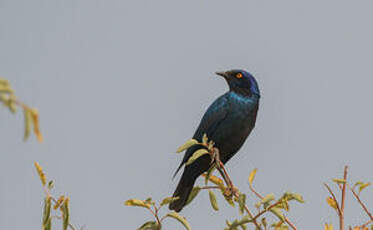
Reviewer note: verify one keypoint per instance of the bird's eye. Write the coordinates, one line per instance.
(239, 75)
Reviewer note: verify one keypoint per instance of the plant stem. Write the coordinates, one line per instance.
(341, 217)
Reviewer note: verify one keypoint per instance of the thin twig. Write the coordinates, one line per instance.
(362, 204)
(210, 187)
(335, 199)
(155, 213)
(220, 167)
(255, 192)
(341, 217)
(60, 218)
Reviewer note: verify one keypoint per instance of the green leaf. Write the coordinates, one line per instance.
(363, 186)
(239, 223)
(358, 183)
(339, 181)
(242, 202)
(137, 203)
(168, 200)
(150, 225)
(196, 155)
(193, 194)
(65, 214)
(213, 201)
(298, 197)
(278, 213)
(179, 218)
(187, 145)
(47, 212)
(204, 139)
(267, 199)
(252, 176)
(209, 173)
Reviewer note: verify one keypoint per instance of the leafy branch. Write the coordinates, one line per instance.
(339, 206)
(266, 204)
(62, 203)
(31, 115)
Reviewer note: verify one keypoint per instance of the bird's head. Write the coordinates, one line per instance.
(241, 82)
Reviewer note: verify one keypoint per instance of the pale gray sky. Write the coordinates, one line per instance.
(121, 84)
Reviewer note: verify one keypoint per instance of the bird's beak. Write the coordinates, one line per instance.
(223, 74)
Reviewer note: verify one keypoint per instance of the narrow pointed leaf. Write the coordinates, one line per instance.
(179, 218)
(215, 180)
(331, 202)
(65, 214)
(28, 123)
(187, 145)
(196, 155)
(363, 186)
(204, 139)
(150, 225)
(213, 200)
(193, 194)
(35, 120)
(252, 176)
(208, 174)
(339, 181)
(42, 176)
(168, 200)
(242, 202)
(137, 203)
(278, 213)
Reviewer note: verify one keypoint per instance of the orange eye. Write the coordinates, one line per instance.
(239, 75)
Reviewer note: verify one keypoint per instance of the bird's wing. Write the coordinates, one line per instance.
(214, 115)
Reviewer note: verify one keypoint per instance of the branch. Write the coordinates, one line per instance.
(335, 199)
(362, 205)
(341, 217)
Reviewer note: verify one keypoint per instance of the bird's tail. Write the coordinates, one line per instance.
(182, 191)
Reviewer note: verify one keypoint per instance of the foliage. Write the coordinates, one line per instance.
(31, 115)
(266, 204)
(339, 205)
(60, 205)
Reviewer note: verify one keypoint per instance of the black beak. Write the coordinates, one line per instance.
(223, 74)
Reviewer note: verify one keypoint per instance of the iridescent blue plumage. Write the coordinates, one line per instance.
(228, 122)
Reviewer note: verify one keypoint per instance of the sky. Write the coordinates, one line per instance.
(121, 84)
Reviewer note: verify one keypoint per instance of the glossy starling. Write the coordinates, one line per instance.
(228, 122)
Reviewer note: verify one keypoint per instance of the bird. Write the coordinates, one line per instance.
(228, 122)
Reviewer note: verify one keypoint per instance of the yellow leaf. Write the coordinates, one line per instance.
(339, 181)
(332, 203)
(193, 194)
(363, 186)
(204, 139)
(187, 145)
(252, 176)
(179, 218)
(35, 120)
(242, 202)
(267, 199)
(42, 176)
(215, 180)
(196, 155)
(28, 120)
(137, 203)
(168, 200)
(213, 200)
(329, 227)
